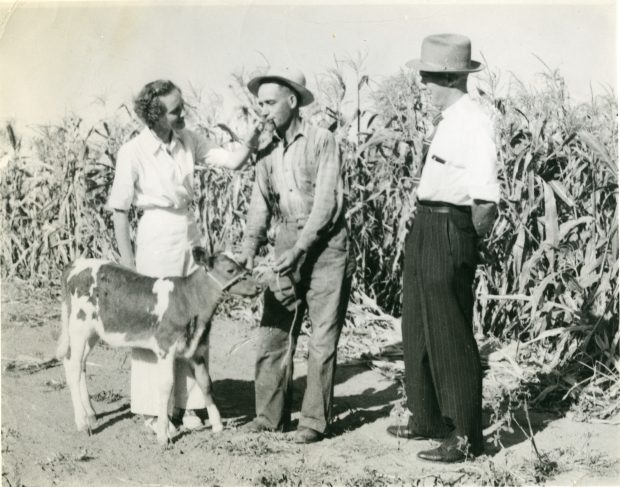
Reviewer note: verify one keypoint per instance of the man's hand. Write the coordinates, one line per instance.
(246, 259)
(483, 214)
(283, 290)
(287, 263)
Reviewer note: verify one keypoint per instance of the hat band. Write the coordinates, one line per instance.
(290, 84)
(460, 65)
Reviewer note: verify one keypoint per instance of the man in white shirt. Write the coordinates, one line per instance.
(457, 198)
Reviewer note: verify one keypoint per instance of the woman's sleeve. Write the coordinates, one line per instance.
(125, 177)
(207, 152)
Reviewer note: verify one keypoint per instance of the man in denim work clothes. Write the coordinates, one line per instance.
(299, 188)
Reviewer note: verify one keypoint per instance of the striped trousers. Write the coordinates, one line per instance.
(443, 375)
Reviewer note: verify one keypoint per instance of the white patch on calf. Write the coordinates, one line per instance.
(119, 339)
(84, 318)
(82, 264)
(162, 289)
(82, 304)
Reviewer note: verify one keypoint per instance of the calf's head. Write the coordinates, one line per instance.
(228, 273)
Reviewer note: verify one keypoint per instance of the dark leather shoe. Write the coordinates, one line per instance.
(255, 426)
(402, 431)
(443, 454)
(307, 435)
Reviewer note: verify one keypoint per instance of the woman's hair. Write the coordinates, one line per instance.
(147, 105)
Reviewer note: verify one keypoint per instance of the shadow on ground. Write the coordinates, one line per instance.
(112, 417)
(538, 422)
(235, 399)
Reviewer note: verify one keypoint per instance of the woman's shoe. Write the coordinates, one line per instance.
(151, 423)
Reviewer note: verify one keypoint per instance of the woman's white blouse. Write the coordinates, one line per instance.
(150, 173)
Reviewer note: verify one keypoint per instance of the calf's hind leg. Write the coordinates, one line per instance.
(86, 402)
(73, 371)
(200, 364)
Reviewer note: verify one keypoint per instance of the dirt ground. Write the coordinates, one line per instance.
(40, 446)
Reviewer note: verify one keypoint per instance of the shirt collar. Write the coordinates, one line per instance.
(456, 107)
(302, 130)
(154, 143)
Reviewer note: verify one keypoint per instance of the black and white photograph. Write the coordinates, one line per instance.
(270, 243)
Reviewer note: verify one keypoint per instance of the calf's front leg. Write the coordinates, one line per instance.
(165, 366)
(200, 364)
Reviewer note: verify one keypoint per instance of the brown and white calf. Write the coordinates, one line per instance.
(170, 316)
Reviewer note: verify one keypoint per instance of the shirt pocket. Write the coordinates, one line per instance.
(448, 159)
(306, 179)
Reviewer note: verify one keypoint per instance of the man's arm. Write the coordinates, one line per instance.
(328, 193)
(483, 182)
(327, 201)
(257, 219)
(483, 214)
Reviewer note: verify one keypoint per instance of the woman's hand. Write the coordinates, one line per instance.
(128, 261)
(256, 128)
(236, 159)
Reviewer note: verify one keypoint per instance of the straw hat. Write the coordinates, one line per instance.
(290, 77)
(446, 53)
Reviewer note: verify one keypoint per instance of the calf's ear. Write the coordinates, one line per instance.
(201, 257)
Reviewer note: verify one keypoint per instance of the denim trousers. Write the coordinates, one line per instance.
(323, 289)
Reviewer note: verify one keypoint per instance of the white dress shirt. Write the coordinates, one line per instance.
(461, 164)
(151, 174)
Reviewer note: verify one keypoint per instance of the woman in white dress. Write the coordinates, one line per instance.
(154, 172)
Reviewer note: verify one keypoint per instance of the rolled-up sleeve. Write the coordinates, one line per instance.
(481, 160)
(258, 214)
(328, 192)
(125, 177)
(208, 152)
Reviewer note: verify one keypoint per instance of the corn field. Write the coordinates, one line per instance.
(549, 278)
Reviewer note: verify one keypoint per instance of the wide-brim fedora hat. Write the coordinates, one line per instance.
(446, 53)
(286, 76)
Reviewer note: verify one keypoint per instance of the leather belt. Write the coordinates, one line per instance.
(440, 207)
(298, 222)
(293, 221)
(170, 209)
(433, 209)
